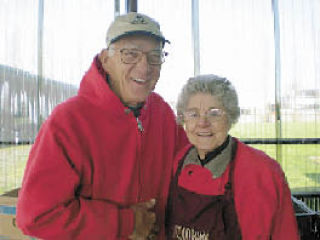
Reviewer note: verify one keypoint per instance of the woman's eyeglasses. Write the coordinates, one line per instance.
(212, 115)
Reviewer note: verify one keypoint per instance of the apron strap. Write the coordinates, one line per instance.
(180, 164)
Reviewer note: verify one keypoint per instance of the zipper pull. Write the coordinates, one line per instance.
(139, 123)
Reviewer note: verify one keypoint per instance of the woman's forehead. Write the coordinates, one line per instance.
(203, 101)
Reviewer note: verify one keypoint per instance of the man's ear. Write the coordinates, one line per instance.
(103, 56)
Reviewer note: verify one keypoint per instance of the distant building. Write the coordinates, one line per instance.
(25, 102)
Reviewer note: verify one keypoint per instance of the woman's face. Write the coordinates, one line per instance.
(206, 122)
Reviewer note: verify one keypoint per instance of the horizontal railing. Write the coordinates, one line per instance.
(244, 140)
(280, 140)
(311, 199)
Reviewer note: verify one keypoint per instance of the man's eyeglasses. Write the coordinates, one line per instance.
(132, 56)
(212, 115)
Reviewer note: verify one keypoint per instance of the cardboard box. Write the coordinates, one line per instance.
(8, 228)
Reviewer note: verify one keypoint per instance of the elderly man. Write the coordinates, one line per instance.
(101, 163)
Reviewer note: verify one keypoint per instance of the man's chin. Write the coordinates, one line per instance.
(135, 102)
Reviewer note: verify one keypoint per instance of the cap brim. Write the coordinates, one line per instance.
(162, 39)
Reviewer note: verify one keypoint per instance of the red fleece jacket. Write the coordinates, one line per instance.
(90, 162)
(262, 197)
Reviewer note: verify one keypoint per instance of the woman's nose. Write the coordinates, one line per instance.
(203, 121)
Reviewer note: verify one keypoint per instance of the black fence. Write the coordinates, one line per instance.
(308, 218)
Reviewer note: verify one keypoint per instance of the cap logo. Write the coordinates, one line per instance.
(139, 20)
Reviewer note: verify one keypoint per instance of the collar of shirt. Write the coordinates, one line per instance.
(217, 164)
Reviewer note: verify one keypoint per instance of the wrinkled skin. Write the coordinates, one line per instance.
(123, 76)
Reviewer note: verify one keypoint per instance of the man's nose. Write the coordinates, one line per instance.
(143, 61)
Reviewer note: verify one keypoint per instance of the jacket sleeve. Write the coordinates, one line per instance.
(263, 201)
(50, 204)
(285, 224)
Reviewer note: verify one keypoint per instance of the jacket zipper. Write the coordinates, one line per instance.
(139, 124)
(139, 154)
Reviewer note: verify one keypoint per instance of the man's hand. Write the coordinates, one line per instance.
(145, 220)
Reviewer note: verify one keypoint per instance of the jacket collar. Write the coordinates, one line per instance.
(95, 89)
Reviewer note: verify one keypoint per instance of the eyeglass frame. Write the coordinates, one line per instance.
(208, 117)
(137, 59)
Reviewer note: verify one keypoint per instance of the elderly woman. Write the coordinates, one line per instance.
(222, 188)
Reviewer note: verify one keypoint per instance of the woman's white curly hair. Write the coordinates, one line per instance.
(214, 85)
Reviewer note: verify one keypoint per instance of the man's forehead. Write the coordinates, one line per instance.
(139, 42)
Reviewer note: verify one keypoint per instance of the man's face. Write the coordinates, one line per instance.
(132, 82)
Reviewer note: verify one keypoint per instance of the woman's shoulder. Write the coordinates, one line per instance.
(250, 157)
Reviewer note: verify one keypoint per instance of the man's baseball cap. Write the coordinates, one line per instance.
(132, 24)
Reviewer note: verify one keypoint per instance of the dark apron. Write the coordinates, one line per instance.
(192, 216)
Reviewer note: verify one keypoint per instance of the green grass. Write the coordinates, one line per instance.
(300, 162)
(12, 163)
(267, 130)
